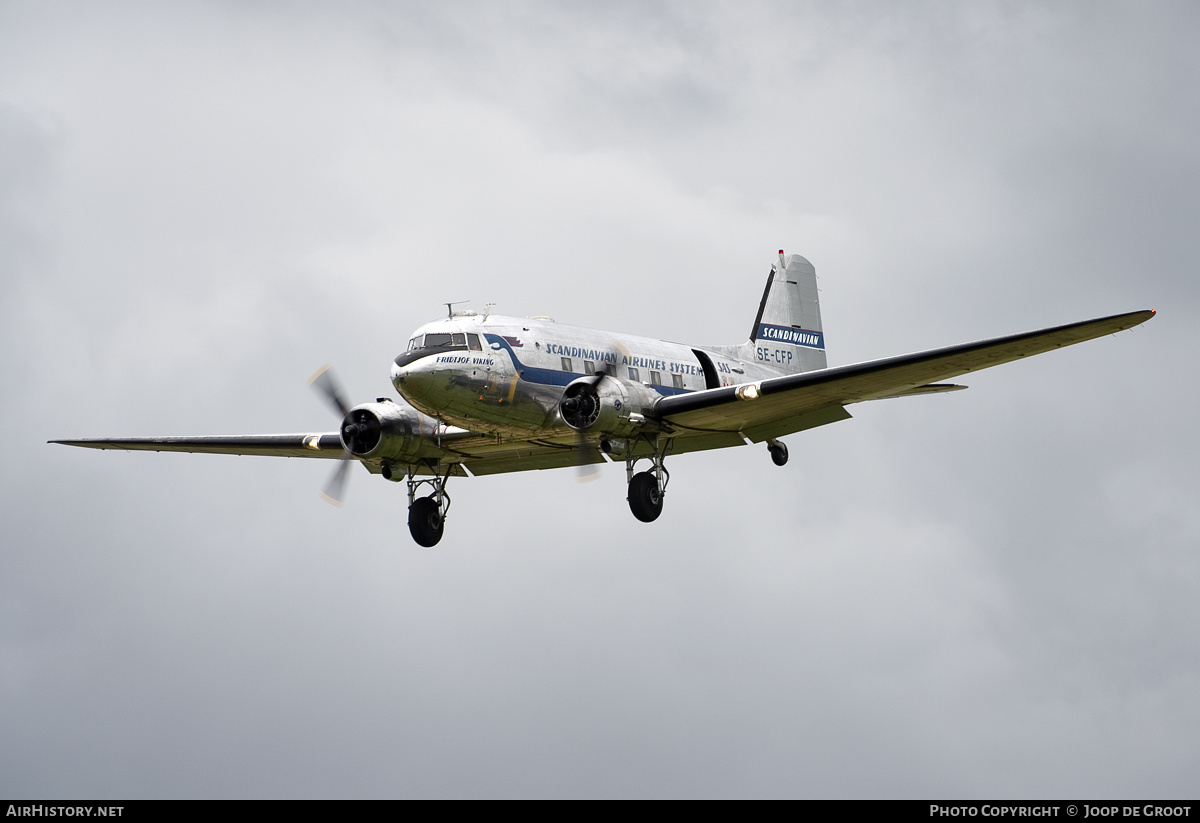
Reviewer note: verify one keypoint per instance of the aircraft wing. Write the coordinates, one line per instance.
(783, 405)
(274, 445)
(715, 418)
(480, 454)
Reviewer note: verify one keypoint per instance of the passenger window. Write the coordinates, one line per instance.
(655, 379)
(566, 364)
(589, 367)
(677, 381)
(633, 375)
(473, 342)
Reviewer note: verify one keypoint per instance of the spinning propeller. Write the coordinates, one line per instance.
(354, 430)
(580, 407)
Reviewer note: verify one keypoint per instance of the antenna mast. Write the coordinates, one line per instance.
(450, 306)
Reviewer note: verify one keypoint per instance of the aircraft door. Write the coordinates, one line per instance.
(711, 380)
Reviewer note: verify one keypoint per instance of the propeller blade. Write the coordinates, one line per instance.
(328, 387)
(585, 469)
(336, 484)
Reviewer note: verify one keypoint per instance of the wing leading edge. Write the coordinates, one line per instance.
(783, 405)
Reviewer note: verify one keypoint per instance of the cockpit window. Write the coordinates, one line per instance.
(473, 342)
(420, 345)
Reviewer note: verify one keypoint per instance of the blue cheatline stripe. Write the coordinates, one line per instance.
(547, 377)
(796, 337)
(552, 377)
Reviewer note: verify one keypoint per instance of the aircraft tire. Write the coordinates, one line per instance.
(645, 498)
(779, 454)
(425, 522)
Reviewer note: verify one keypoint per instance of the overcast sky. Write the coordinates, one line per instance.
(986, 594)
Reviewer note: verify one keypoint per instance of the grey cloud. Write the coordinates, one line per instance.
(985, 594)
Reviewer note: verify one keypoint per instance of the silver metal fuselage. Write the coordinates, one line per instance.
(513, 382)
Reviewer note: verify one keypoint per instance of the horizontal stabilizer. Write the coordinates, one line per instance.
(928, 388)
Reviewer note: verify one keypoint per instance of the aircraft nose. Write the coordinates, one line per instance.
(413, 378)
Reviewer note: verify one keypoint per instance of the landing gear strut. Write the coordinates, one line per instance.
(427, 515)
(646, 489)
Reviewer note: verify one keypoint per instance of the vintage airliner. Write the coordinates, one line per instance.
(485, 394)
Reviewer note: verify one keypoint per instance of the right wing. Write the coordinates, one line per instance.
(274, 445)
(455, 449)
(783, 405)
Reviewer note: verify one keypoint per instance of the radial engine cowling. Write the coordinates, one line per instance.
(382, 431)
(604, 404)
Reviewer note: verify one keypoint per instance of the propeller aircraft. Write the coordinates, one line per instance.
(484, 394)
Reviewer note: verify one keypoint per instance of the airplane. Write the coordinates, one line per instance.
(483, 394)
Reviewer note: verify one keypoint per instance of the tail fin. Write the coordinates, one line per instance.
(787, 331)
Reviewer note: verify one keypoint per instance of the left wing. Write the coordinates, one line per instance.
(783, 405)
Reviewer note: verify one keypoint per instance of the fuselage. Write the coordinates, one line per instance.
(507, 374)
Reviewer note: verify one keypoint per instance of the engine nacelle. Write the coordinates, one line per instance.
(384, 431)
(605, 404)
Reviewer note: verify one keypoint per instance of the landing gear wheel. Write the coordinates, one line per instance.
(645, 497)
(779, 453)
(425, 522)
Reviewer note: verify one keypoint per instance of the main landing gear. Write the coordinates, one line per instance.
(427, 515)
(646, 489)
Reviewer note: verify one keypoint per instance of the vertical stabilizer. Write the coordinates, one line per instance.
(787, 332)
